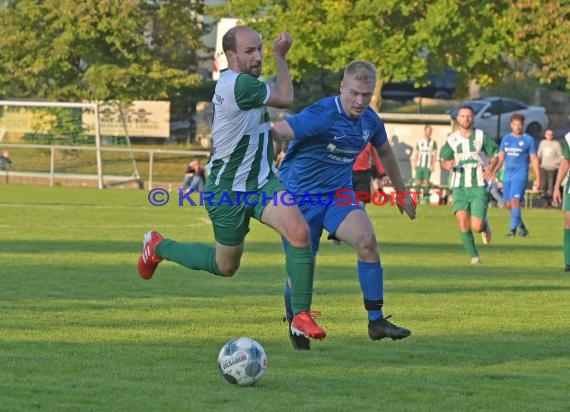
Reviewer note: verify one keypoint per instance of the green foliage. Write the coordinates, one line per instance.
(482, 40)
(518, 88)
(81, 331)
(396, 36)
(99, 50)
(62, 126)
(310, 88)
(541, 33)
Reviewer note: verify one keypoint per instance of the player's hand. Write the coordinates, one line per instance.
(556, 196)
(536, 184)
(282, 44)
(407, 205)
(489, 173)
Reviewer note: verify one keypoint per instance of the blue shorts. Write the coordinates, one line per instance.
(326, 212)
(514, 188)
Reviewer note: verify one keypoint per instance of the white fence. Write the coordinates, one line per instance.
(104, 166)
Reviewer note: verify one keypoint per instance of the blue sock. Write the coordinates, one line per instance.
(371, 278)
(287, 300)
(515, 217)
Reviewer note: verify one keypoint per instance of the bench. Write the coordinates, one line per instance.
(530, 195)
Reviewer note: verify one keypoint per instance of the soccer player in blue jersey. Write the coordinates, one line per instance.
(327, 137)
(515, 151)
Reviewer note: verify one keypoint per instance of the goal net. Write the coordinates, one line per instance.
(62, 141)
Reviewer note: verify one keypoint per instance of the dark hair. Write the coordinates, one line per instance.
(229, 39)
(466, 106)
(518, 116)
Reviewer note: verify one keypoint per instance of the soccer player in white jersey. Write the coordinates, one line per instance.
(556, 196)
(242, 179)
(461, 154)
(423, 161)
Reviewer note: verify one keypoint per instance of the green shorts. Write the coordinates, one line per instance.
(231, 211)
(423, 174)
(473, 199)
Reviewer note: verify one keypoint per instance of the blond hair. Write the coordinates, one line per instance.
(361, 70)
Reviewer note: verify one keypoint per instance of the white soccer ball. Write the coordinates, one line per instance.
(434, 199)
(242, 361)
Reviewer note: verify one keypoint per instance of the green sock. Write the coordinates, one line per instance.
(197, 256)
(469, 243)
(567, 246)
(425, 190)
(300, 266)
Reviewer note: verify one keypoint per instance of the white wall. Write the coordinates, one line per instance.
(409, 128)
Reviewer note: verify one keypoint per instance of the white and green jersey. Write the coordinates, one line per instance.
(425, 149)
(469, 160)
(566, 147)
(242, 149)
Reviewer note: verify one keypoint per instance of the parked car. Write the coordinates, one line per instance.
(440, 87)
(493, 116)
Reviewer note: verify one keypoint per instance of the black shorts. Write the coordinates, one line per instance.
(361, 181)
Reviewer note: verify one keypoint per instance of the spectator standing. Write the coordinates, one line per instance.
(5, 162)
(549, 155)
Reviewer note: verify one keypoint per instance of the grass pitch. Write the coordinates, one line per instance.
(79, 330)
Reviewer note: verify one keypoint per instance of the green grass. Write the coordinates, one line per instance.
(79, 330)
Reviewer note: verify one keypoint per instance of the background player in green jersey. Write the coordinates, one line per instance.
(423, 161)
(241, 168)
(556, 197)
(462, 155)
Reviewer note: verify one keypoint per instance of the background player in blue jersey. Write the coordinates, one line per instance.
(327, 138)
(516, 149)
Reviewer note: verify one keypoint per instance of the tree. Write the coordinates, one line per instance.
(99, 49)
(404, 39)
(540, 30)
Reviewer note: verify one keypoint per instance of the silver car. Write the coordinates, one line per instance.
(493, 116)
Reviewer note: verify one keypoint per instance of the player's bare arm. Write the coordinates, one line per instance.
(281, 95)
(447, 164)
(536, 168)
(489, 172)
(500, 161)
(562, 170)
(281, 132)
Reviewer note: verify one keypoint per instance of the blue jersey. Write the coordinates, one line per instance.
(326, 145)
(517, 153)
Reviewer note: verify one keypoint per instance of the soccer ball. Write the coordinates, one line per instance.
(434, 199)
(242, 361)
